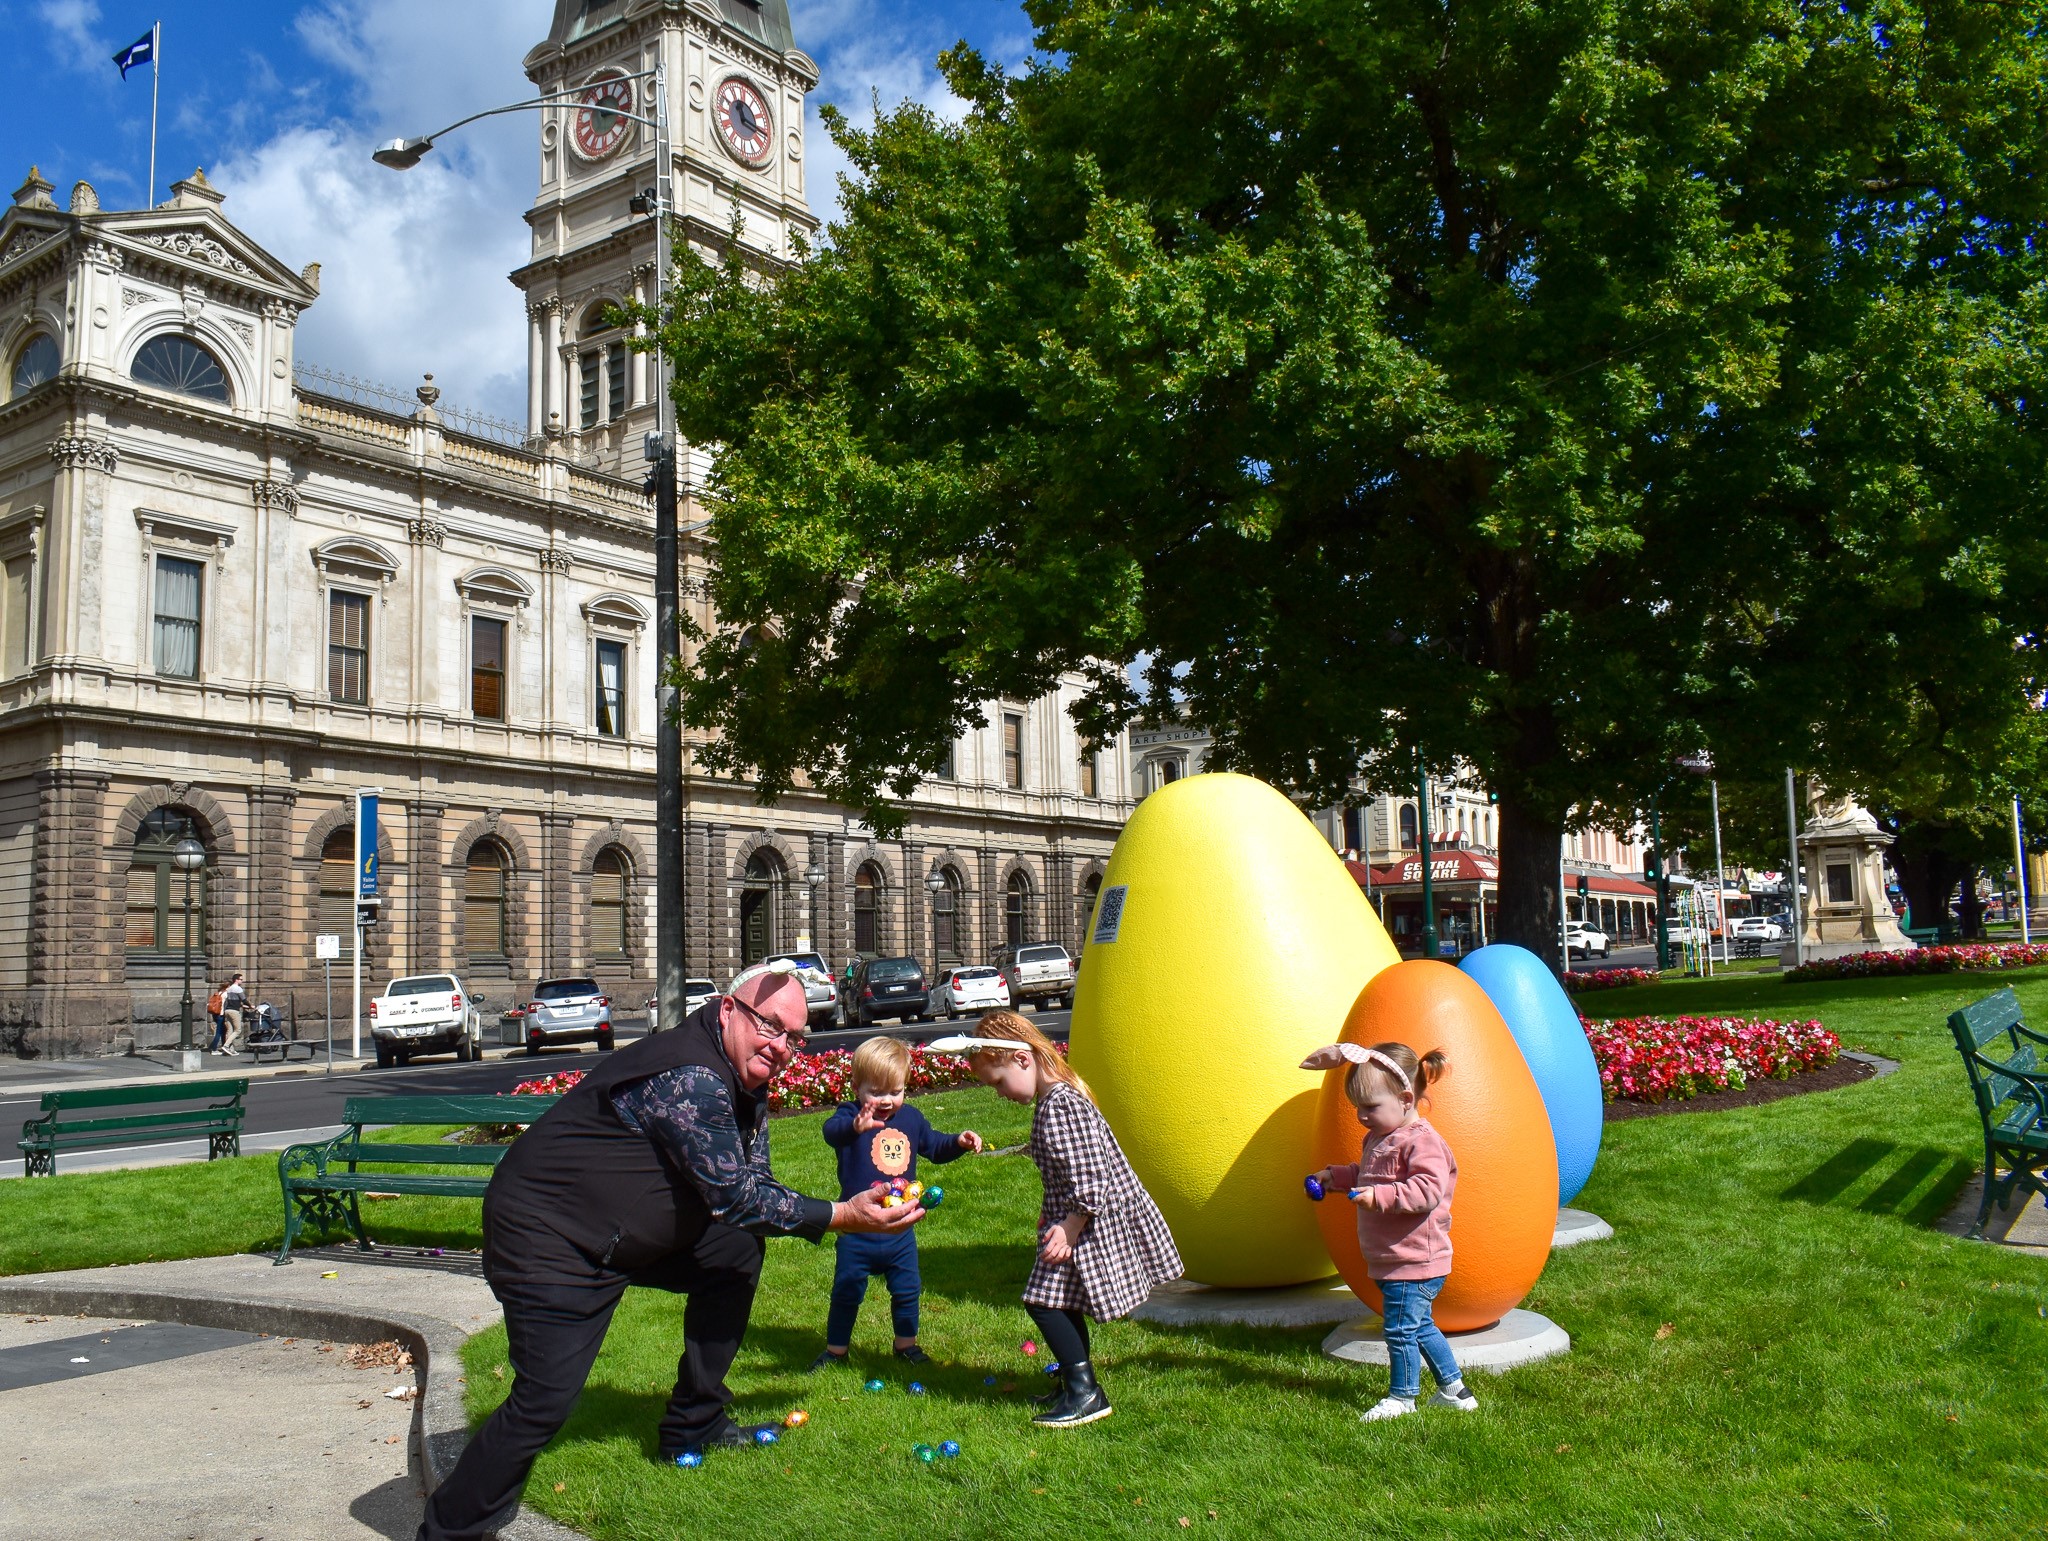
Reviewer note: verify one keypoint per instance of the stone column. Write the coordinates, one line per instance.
(557, 939)
(425, 857)
(536, 370)
(554, 362)
(991, 905)
(280, 949)
(76, 949)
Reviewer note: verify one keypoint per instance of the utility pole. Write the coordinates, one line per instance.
(1429, 942)
(1792, 874)
(1663, 887)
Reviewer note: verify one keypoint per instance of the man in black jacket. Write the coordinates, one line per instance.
(652, 1171)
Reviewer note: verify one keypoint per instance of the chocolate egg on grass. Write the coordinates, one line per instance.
(1553, 1042)
(1491, 1115)
(1228, 942)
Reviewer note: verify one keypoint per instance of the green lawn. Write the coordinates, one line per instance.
(1833, 1366)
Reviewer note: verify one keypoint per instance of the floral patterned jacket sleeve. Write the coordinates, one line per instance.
(688, 1112)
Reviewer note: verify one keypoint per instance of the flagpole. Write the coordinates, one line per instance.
(156, 48)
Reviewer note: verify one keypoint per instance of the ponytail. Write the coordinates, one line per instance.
(1009, 1025)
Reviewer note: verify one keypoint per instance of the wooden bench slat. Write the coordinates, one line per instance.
(70, 1140)
(2000, 1056)
(394, 1182)
(388, 1111)
(216, 1118)
(1992, 1017)
(378, 1154)
(116, 1096)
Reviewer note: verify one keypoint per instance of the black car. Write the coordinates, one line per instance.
(886, 987)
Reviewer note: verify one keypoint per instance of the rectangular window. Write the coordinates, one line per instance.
(1088, 770)
(615, 381)
(177, 617)
(1841, 885)
(947, 770)
(348, 647)
(486, 668)
(608, 914)
(586, 372)
(611, 689)
(14, 601)
(142, 908)
(1013, 750)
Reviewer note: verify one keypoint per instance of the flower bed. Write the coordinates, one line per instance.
(1660, 1059)
(1608, 979)
(1925, 960)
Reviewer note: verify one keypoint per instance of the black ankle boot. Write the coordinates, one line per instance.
(1059, 1389)
(1081, 1400)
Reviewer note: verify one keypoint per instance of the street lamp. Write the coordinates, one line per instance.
(188, 856)
(935, 884)
(403, 155)
(814, 875)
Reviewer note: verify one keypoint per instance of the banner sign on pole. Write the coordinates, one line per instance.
(366, 845)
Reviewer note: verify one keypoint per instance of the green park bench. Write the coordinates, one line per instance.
(60, 1128)
(324, 1182)
(2003, 1057)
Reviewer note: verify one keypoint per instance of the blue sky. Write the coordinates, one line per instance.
(282, 102)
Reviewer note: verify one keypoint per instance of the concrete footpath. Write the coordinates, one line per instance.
(217, 1399)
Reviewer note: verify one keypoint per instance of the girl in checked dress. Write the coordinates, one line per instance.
(1102, 1242)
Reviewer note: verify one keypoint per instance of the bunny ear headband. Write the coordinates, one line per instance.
(955, 1043)
(1330, 1056)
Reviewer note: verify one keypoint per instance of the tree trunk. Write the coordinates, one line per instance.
(1929, 876)
(1530, 840)
(1972, 908)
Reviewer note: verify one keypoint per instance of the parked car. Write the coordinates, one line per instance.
(1038, 972)
(566, 1010)
(886, 987)
(427, 1014)
(1588, 941)
(820, 993)
(1761, 928)
(696, 992)
(976, 987)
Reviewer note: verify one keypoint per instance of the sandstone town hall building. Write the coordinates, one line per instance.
(233, 590)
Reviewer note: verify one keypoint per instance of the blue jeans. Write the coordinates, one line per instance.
(1412, 1335)
(860, 1258)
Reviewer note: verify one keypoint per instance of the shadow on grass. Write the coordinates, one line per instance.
(1894, 1194)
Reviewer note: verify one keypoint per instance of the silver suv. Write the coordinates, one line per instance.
(559, 1011)
(1038, 972)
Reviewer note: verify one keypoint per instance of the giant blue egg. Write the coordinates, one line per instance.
(1546, 1026)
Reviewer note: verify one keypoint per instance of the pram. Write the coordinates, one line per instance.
(266, 1034)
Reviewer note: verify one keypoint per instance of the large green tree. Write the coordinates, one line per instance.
(1545, 387)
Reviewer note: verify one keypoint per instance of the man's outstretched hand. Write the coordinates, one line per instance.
(864, 1212)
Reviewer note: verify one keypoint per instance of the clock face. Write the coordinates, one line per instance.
(599, 129)
(743, 121)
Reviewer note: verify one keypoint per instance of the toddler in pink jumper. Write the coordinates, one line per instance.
(1402, 1184)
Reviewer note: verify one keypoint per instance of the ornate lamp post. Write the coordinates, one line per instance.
(814, 877)
(935, 884)
(188, 855)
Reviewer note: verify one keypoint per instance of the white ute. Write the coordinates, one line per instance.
(428, 1014)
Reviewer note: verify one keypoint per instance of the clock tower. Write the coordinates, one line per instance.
(736, 86)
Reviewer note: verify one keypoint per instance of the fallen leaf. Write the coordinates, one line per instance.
(1562, 1448)
(498, 1370)
(392, 1440)
(560, 1485)
(1665, 1331)
(1185, 1522)
(1212, 1514)
(1952, 1418)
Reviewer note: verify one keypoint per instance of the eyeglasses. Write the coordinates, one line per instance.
(773, 1032)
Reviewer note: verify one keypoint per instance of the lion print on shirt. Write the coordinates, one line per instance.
(891, 1152)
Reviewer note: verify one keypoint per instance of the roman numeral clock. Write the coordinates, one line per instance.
(597, 128)
(745, 127)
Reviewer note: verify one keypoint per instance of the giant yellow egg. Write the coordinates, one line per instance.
(1228, 942)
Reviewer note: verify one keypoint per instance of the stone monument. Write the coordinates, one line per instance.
(1845, 909)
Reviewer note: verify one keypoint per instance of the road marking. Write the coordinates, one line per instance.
(171, 1152)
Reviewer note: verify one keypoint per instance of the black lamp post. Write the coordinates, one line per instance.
(935, 884)
(188, 855)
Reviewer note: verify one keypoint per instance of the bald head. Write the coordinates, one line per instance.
(757, 990)
(762, 1021)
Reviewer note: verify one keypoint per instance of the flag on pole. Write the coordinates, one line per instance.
(141, 51)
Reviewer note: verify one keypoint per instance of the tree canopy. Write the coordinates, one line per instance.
(1548, 388)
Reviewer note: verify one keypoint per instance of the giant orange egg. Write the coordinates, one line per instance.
(1490, 1113)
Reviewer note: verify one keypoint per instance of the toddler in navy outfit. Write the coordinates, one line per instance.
(880, 1137)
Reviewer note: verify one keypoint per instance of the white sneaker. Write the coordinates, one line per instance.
(1387, 1407)
(1458, 1396)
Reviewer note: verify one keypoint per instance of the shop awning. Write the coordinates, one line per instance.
(1609, 886)
(1445, 866)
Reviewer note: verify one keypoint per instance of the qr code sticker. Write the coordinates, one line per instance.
(1110, 914)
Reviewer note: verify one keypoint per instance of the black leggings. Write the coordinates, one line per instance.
(1065, 1333)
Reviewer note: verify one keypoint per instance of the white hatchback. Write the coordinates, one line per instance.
(974, 988)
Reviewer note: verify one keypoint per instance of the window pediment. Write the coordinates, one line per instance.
(184, 529)
(494, 586)
(354, 556)
(615, 611)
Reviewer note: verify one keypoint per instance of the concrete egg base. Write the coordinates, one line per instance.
(1575, 1226)
(1520, 1337)
(1184, 1303)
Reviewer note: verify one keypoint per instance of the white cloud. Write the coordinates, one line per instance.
(72, 35)
(413, 263)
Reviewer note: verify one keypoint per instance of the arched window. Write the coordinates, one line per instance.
(156, 888)
(946, 919)
(173, 363)
(483, 901)
(608, 905)
(337, 915)
(759, 934)
(37, 364)
(1407, 826)
(1016, 900)
(1091, 891)
(1169, 772)
(867, 894)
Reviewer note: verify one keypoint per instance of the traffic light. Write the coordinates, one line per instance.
(1584, 888)
(1650, 872)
